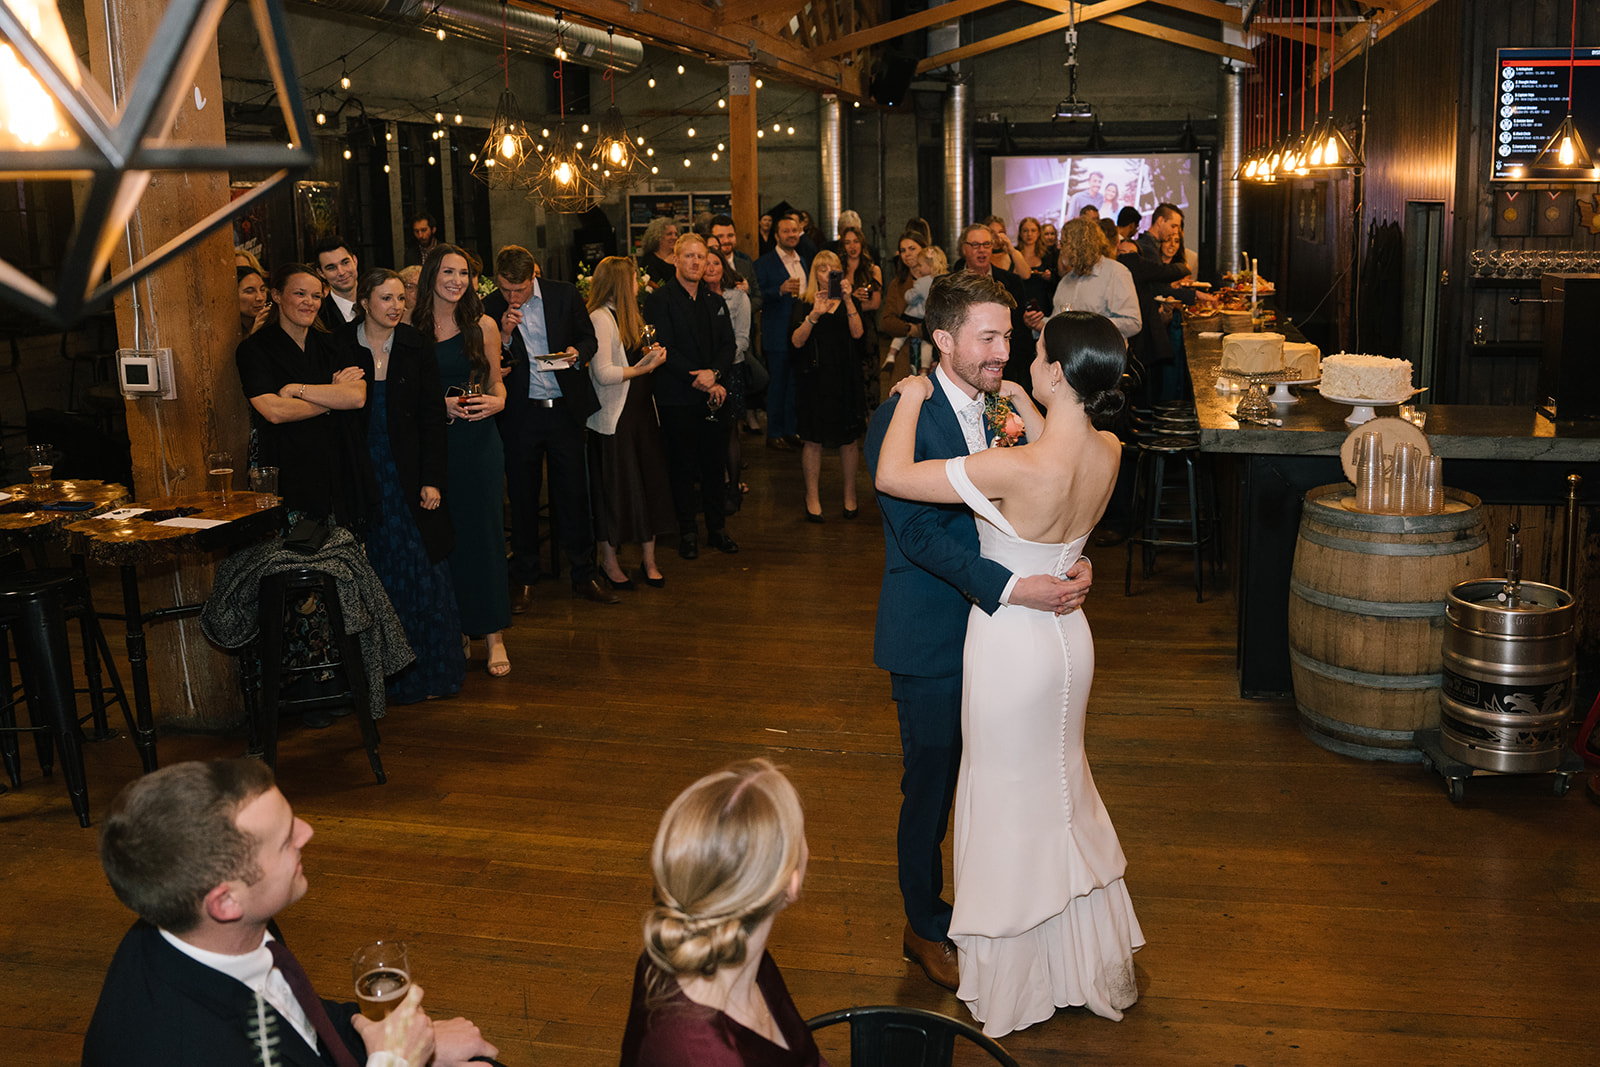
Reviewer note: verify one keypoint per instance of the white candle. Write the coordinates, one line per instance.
(1253, 278)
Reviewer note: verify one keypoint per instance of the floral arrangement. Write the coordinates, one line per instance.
(485, 286)
(1005, 425)
(585, 279)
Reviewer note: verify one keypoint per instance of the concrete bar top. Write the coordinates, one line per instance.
(1315, 426)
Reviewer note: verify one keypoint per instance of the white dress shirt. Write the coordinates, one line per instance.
(977, 438)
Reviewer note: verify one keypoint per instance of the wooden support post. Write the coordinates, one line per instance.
(191, 306)
(742, 156)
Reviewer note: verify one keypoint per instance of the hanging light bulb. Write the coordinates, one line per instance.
(458, 120)
(691, 131)
(344, 81)
(28, 113)
(680, 68)
(322, 118)
(714, 157)
(686, 161)
(386, 168)
(347, 153)
(758, 83)
(472, 156)
(761, 133)
(721, 102)
(655, 170)
(776, 127)
(651, 81)
(432, 161)
(439, 33)
(791, 131)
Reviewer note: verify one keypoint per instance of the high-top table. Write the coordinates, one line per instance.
(35, 514)
(126, 539)
(1505, 455)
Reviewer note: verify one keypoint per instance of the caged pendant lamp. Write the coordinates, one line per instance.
(615, 158)
(1564, 155)
(506, 160)
(564, 182)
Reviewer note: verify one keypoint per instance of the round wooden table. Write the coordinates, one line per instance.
(32, 513)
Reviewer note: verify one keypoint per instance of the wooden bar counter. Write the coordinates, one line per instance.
(1514, 459)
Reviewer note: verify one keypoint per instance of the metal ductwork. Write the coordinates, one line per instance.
(955, 166)
(832, 164)
(525, 31)
(1230, 202)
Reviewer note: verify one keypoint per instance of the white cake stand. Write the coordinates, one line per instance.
(1281, 394)
(1362, 405)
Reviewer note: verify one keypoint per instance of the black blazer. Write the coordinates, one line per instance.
(566, 323)
(159, 1008)
(414, 408)
(697, 333)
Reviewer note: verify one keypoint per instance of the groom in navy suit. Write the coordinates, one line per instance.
(933, 572)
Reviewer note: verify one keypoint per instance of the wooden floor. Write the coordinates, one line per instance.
(1300, 907)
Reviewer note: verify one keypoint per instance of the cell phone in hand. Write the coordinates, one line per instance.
(836, 285)
(1033, 305)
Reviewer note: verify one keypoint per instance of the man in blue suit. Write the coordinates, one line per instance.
(933, 572)
(781, 275)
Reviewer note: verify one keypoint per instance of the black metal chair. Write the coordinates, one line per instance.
(35, 607)
(276, 591)
(888, 1035)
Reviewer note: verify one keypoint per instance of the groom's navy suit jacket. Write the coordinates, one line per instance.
(933, 569)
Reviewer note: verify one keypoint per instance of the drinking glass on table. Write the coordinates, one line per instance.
(264, 481)
(219, 465)
(40, 466)
(382, 976)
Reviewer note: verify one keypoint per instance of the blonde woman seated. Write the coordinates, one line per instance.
(730, 854)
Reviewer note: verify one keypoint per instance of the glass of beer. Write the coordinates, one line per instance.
(39, 465)
(219, 465)
(382, 976)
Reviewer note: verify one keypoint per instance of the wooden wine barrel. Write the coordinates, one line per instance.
(1367, 618)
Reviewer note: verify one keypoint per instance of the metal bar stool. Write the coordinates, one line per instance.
(276, 591)
(1151, 518)
(35, 607)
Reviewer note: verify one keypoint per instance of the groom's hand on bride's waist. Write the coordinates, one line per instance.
(1045, 592)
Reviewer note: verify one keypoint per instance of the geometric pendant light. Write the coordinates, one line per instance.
(507, 159)
(615, 157)
(56, 122)
(565, 182)
(1564, 154)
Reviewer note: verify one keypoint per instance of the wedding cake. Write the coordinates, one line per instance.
(1302, 361)
(1363, 377)
(1252, 353)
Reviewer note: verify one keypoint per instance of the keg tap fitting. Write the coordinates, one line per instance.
(1511, 592)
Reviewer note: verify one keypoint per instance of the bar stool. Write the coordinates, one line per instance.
(35, 607)
(278, 590)
(1150, 515)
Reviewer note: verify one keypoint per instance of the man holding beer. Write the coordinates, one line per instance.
(207, 854)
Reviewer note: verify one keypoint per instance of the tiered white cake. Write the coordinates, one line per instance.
(1302, 361)
(1362, 377)
(1252, 353)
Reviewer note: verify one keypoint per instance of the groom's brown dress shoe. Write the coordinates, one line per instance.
(936, 958)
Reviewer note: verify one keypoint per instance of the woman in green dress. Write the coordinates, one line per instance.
(450, 315)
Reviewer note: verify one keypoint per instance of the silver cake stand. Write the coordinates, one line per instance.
(1255, 405)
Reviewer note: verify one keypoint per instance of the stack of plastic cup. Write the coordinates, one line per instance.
(1404, 493)
(1369, 471)
(1433, 485)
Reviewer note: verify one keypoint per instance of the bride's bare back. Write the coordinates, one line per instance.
(1054, 490)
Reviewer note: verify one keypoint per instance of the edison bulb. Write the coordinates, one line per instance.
(347, 153)
(322, 119)
(615, 153)
(1566, 154)
(564, 172)
(344, 82)
(651, 82)
(508, 146)
(439, 33)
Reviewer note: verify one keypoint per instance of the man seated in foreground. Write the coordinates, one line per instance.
(207, 854)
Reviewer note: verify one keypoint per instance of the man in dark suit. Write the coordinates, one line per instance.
(547, 403)
(693, 325)
(977, 245)
(781, 275)
(208, 854)
(933, 572)
(341, 272)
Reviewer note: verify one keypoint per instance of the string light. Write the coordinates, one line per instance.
(758, 83)
(691, 131)
(386, 168)
(791, 131)
(458, 120)
(651, 81)
(680, 68)
(721, 147)
(721, 102)
(686, 161)
(347, 153)
(761, 133)
(322, 119)
(714, 157)
(440, 33)
(431, 161)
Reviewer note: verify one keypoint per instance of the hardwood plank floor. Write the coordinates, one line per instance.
(1301, 907)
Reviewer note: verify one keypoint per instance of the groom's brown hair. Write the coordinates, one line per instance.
(952, 296)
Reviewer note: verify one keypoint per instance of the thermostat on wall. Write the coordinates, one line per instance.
(146, 372)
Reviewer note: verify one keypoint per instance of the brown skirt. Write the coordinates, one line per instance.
(628, 474)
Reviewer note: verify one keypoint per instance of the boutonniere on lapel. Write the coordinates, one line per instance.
(1004, 424)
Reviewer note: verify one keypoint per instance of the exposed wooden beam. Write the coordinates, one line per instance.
(689, 26)
(735, 11)
(1086, 13)
(1178, 37)
(1224, 13)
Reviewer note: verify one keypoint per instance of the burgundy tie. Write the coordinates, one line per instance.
(310, 1003)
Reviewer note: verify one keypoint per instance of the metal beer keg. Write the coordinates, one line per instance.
(1509, 657)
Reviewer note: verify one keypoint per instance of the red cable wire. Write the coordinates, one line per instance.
(1572, 53)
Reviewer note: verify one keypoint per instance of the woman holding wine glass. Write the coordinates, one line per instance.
(627, 470)
(410, 541)
(467, 346)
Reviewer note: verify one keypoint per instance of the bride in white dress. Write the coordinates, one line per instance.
(1042, 917)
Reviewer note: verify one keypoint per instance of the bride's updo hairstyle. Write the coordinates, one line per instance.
(722, 860)
(1091, 354)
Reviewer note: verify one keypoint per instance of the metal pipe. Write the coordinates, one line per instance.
(1230, 202)
(1569, 552)
(956, 213)
(525, 31)
(831, 145)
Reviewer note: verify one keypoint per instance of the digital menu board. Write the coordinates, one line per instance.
(1531, 93)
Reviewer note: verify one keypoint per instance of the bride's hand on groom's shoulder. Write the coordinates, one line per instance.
(921, 383)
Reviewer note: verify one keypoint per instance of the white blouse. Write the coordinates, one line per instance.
(606, 371)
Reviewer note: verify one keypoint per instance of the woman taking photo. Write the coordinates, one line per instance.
(729, 856)
(410, 541)
(303, 391)
(627, 470)
(830, 399)
(466, 343)
(891, 319)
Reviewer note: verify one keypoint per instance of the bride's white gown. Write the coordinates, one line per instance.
(1042, 917)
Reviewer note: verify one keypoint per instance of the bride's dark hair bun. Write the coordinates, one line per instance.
(1104, 402)
(1091, 353)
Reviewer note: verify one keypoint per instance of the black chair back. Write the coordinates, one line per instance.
(891, 1036)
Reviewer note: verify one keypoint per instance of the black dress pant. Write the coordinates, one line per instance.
(696, 447)
(549, 433)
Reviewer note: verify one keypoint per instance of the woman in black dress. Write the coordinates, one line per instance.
(830, 397)
(409, 542)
